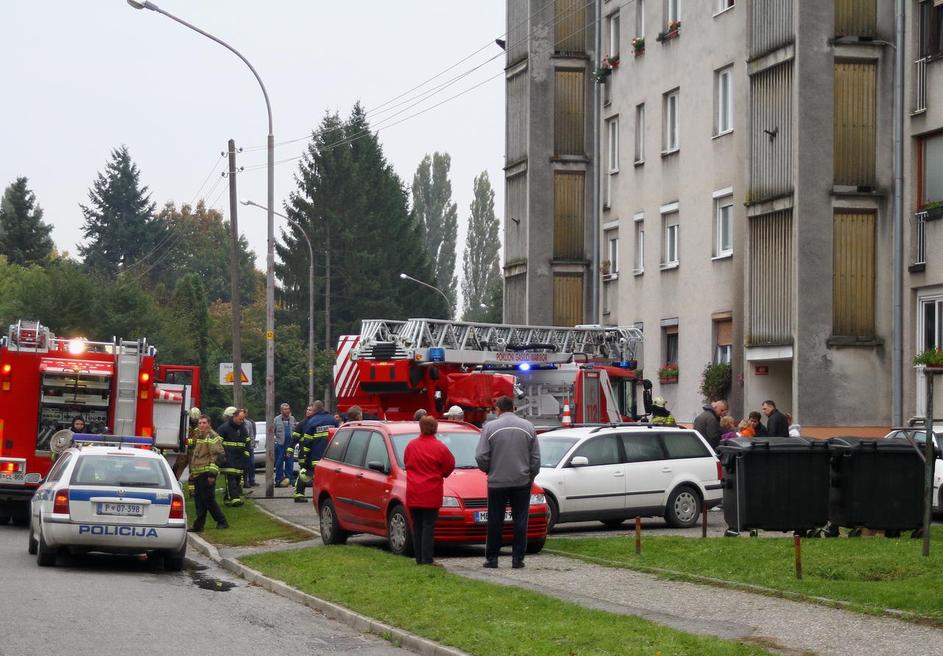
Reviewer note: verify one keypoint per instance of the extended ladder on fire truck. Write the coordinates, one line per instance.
(484, 343)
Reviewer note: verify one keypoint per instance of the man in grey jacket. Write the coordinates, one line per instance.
(284, 427)
(509, 453)
(708, 422)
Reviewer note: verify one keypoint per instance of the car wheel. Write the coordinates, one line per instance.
(684, 507)
(45, 555)
(536, 546)
(331, 532)
(33, 545)
(554, 513)
(173, 561)
(613, 523)
(399, 533)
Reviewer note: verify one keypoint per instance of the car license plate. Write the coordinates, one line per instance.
(132, 509)
(482, 516)
(12, 477)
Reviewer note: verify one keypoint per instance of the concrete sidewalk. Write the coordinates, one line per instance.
(784, 626)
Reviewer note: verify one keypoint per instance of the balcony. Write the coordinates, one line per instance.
(919, 242)
(920, 85)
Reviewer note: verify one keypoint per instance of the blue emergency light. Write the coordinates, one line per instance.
(524, 366)
(437, 354)
(626, 364)
(92, 439)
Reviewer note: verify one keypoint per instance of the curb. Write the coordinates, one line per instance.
(278, 518)
(359, 622)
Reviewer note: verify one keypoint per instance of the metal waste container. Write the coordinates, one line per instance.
(775, 483)
(876, 484)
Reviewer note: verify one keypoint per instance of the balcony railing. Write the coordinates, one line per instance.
(920, 85)
(920, 237)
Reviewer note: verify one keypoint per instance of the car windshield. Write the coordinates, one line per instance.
(462, 446)
(552, 449)
(119, 471)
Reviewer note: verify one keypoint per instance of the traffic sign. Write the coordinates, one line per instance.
(226, 375)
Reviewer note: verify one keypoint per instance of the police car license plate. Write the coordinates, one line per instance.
(133, 509)
(482, 516)
(12, 477)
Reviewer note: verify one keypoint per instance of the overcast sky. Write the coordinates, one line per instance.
(81, 77)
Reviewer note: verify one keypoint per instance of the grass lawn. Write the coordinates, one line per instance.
(873, 574)
(247, 526)
(477, 617)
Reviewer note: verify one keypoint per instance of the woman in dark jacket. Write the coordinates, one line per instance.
(428, 462)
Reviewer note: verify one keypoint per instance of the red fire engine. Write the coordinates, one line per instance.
(117, 387)
(393, 368)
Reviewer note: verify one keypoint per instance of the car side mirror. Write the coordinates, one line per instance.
(579, 461)
(377, 466)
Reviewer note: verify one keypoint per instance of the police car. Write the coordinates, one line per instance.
(110, 494)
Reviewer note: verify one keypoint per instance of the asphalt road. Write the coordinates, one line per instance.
(99, 605)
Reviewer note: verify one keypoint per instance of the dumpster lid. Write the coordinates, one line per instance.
(745, 444)
(854, 443)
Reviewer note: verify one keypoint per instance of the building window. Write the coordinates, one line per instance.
(569, 112)
(670, 337)
(640, 133)
(723, 341)
(721, 6)
(672, 11)
(639, 265)
(614, 34)
(723, 226)
(930, 30)
(931, 323)
(930, 175)
(671, 122)
(640, 18)
(614, 254)
(853, 275)
(723, 100)
(612, 129)
(672, 233)
(855, 123)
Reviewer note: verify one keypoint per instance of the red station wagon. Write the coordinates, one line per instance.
(360, 487)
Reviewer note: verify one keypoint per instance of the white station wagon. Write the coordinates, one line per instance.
(112, 498)
(611, 473)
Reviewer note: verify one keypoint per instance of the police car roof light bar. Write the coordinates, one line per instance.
(91, 439)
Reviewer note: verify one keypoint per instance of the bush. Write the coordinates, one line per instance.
(716, 380)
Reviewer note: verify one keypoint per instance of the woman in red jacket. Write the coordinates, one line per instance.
(427, 461)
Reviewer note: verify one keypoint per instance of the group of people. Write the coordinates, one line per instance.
(508, 452)
(717, 426)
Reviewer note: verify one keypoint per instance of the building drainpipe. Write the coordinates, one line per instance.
(595, 316)
(897, 353)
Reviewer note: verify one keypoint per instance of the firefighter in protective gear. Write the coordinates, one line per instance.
(206, 446)
(294, 448)
(186, 449)
(310, 447)
(237, 444)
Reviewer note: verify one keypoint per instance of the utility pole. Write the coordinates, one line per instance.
(329, 388)
(234, 281)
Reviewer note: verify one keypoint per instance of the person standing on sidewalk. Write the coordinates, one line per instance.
(776, 423)
(708, 422)
(509, 453)
(237, 445)
(285, 423)
(428, 462)
(310, 447)
(207, 446)
(249, 475)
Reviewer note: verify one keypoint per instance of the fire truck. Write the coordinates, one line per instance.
(393, 368)
(117, 387)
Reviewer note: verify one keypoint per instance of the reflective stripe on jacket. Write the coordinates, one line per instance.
(203, 453)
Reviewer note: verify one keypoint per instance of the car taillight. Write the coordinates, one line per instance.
(61, 502)
(720, 471)
(176, 507)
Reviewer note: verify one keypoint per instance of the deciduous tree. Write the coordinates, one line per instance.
(438, 218)
(480, 264)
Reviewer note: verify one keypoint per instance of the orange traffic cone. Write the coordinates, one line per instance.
(567, 420)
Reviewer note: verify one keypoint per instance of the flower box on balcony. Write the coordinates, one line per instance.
(931, 360)
(932, 211)
(668, 375)
(671, 32)
(638, 46)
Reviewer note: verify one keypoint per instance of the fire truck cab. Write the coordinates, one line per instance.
(393, 368)
(115, 387)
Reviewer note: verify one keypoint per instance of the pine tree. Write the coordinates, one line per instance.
(119, 220)
(438, 218)
(352, 204)
(480, 264)
(24, 238)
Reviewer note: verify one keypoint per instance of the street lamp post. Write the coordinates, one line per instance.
(270, 258)
(310, 296)
(448, 303)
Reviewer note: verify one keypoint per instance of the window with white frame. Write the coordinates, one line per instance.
(721, 6)
(613, 251)
(723, 100)
(670, 344)
(640, 133)
(670, 139)
(639, 264)
(612, 161)
(723, 226)
(614, 34)
(723, 341)
(672, 234)
(672, 11)
(931, 323)
(640, 18)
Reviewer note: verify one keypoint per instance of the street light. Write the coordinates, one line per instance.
(270, 258)
(448, 303)
(246, 201)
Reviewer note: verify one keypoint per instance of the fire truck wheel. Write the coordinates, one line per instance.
(33, 545)
(554, 513)
(45, 555)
